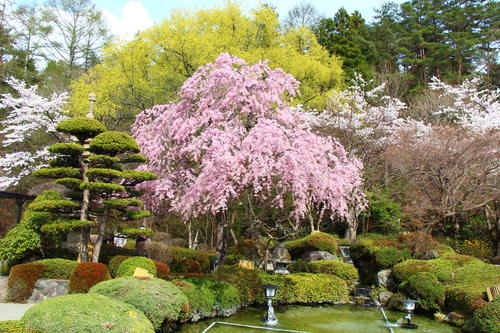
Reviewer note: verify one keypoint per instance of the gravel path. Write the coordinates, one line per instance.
(3, 287)
(13, 311)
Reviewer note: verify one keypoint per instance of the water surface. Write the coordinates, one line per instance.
(320, 319)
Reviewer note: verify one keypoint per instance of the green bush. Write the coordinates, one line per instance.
(161, 301)
(346, 272)
(387, 257)
(202, 258)
(113, 143)
(18, 243)
(318, 241)
(22, 280)
(108, 251)
(57, 268)
(384, 211)
(114, 263)
(247, 281)
(487, 318)
(14, 326)
(56, 173)
(395, 303)
(128, 266)
(185, 265)
(209, 297)
(425, 288)
(81, 127)
(66, 148)
(307, 288)
(79, 313)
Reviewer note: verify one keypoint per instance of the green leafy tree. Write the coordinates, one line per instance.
(346, 35)
(101, 188)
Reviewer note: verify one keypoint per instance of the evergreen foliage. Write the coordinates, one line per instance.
(113, 143)
(81, 127)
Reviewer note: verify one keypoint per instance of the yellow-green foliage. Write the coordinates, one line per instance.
(247, 281)
(102, 187)
(161, 301)
(79, 313)
(66, 148)
(134, 158)
(128, 266)
(345, 271)
(318, 241)
(81, 127)
(308, 288)
(487, 319)
(61, 226)
(71, 183)
(57, 268)
(202, 258)
(113, 143)
(425, 288)
(101, 173)
(380, 251)
(57, 172)
(139, 175)
(151, 68)
(14, 326)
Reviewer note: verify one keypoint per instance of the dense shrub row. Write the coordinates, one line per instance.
(346, 272)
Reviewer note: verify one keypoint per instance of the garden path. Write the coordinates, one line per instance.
(13, 311)
(3, 287)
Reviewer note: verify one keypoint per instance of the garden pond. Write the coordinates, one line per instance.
(320, 319)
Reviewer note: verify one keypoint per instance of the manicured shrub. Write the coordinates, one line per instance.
(487, 318)
(14, 326)
(113, 143)
(161, 301)
(201, 300)
(223, 297)
(57, 268)
(307, 288)
(185, 265)
(346, 272)
(425, 288)
(87, 274)
(114, 263)
(22, 280)
(81, 127)
(79, 313)
(128, 266)
(465, 292)
(247, 281)
(202, 258)
(162, 270)
(387, 257)
(318, 241)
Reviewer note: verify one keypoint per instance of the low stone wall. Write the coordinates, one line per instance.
(48, 288)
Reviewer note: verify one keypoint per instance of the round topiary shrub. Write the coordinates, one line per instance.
(113, 143)
(87, 274)
(487, 318)
(387, 257)
(318, 241)
(86, 313)
(114, 263)
(81, 127)
(425, 288)
(345, 271)
(22, 280)
(128, 266)
(57, 268)
(161, 301)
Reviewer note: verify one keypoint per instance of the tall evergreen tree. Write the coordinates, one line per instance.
(346, 35)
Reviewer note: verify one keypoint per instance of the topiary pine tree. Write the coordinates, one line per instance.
(93, 170)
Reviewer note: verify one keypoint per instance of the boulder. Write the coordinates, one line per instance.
(317, 255)
(495, 260)
(48, 288)
(384, 297)
(384, 279)
(280, 252)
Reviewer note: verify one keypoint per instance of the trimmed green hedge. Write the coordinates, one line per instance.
(66, 148)
(103, 173)
(79, 313)
(134, 158)
(307, 288)
(202, 258)
(161, 301)
(128, 266)
(114, 263)
(140, 176)
(56, 173)
(425, 288)
(57, 268)
(247, 281)
(318, 241)
(346, 272)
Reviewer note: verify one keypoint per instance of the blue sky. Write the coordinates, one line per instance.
(126, 17)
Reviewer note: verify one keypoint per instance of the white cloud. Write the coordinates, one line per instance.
(134, 18)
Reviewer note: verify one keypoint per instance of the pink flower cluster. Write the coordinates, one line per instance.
(233, 129)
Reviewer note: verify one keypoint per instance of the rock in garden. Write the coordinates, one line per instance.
(280, 252)
(317, 255)
(384, 297)
(48, 288)
(384, 279)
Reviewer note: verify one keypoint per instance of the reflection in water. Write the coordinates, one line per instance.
(321, 319)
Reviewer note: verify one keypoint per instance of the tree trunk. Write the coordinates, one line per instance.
(352, 224)
(190, 235)
(220, 241)
(311, 220)
(84, 213)
(100, 236)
